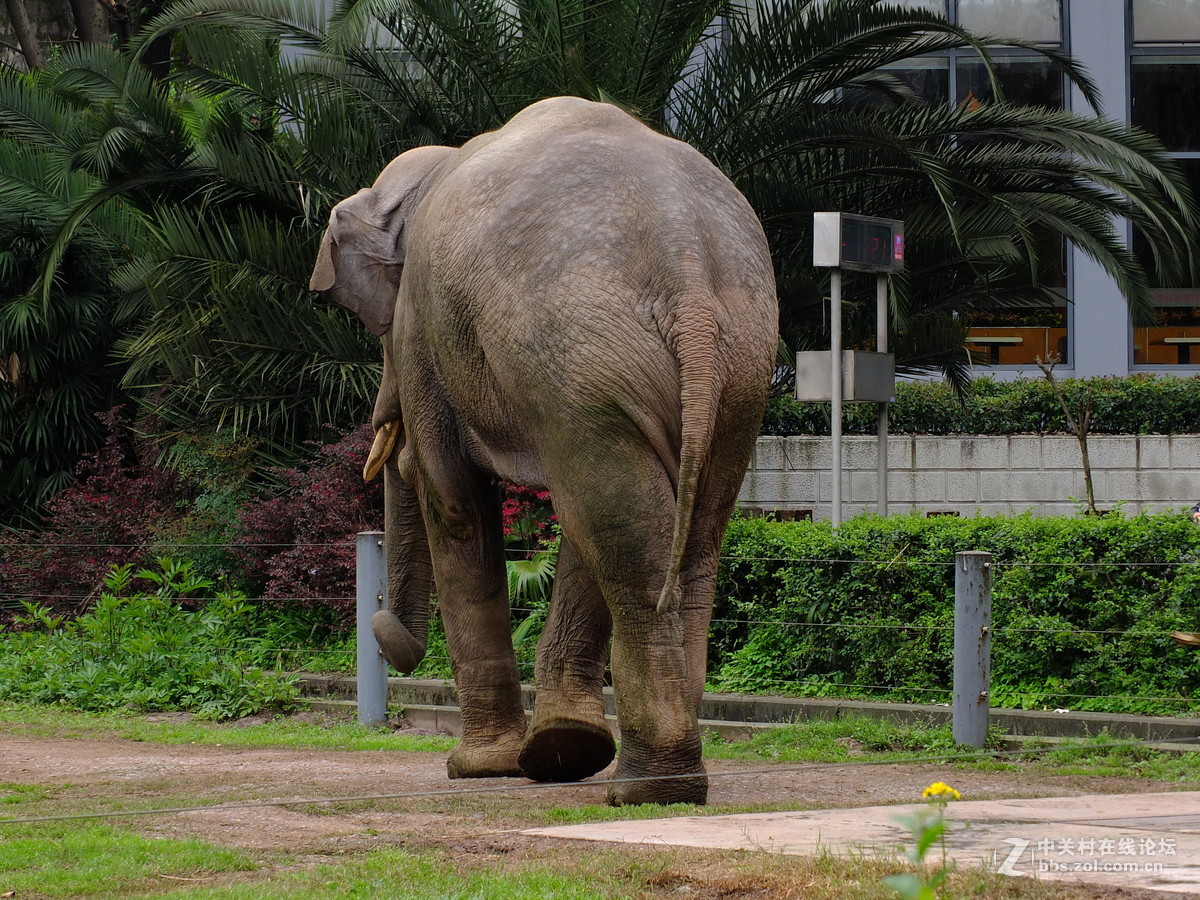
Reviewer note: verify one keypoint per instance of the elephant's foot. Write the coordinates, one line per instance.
(495, 760)
(566, 750)
(398, 645)
(658, 775)
(690, 789)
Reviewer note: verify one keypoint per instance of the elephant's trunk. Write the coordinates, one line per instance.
(402, 629)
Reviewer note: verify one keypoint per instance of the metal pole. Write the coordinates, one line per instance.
(972, 646)
(835, 414)
(372, 592)
(881, 425)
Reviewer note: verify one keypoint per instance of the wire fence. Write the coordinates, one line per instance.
(539, 787)
(729, 631)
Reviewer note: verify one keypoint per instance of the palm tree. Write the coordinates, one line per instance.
(796, 103)
(221, 329)
(233, 172)
(57, 328)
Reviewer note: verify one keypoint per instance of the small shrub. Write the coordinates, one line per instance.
(299, 546)
(140, 647)
(108, 517)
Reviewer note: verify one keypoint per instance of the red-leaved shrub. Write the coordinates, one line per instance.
(529, 519)
(108, 517)
(300, 544)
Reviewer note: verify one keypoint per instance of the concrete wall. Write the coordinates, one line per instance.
(977, 474)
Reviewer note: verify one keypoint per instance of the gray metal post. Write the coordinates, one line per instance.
(835, 379)
(371, 577)
(881, 422)
(972, 646)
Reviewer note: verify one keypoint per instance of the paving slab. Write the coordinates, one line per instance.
(1148, 841)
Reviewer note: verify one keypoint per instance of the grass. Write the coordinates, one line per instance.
(1094, 756)
(281, 732)
(838, 740)
(406, 875)
(96, 862)
(89, 860)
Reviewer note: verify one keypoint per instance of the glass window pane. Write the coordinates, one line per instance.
(1175, 338)
(938, 6)
(1031, 20)
(928, 77)
(1023, 79)
(1019, 335)
(1166, 21)
(1165, 97)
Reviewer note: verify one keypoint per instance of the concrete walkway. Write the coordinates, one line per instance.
(1149, 841)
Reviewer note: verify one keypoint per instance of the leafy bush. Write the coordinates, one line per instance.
(139, 646)
(299, 545)
(1082, 609)
(108, 517)
(1139, 404)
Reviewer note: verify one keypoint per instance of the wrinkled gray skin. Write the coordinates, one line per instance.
(577, 303)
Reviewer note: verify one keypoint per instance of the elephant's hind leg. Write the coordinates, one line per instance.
(569, 738)
(619, 513)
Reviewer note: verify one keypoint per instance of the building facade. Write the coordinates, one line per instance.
(1144, 56)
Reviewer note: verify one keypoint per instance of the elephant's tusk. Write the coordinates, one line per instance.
(381, 449)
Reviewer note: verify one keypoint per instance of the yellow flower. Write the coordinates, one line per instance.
(940, 791)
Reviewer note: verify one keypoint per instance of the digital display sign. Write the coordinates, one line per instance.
(862, 243)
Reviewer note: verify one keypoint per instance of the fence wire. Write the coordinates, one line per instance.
(12, 599)
(602, 782)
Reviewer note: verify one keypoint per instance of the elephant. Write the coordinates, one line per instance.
(577, 303)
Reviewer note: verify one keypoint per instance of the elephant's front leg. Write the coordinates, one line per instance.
(569, 738)
(467, 547)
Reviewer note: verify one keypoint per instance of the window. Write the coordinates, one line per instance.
(1013, 335)
(1028, 80)
(1018, 335)
(1164, 88)
(1038, 21)
(1165, 22)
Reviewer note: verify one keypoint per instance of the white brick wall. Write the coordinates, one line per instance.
(977, 474)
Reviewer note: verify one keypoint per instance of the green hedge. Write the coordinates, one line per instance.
(1082, 608)
(1139, 404)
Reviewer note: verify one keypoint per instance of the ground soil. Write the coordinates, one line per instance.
(94, 774)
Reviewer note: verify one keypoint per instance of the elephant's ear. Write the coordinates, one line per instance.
(362, 256)
(324, 274)
(362, 253)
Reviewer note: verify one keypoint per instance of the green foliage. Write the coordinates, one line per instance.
(1138, 404)
(156, 646)
(179, 226)
(88, 859)
(218, 470)
(55, 370)
(1082, 609)
(842, 739)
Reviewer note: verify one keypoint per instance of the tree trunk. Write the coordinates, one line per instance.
(30, 48)
(91, 21)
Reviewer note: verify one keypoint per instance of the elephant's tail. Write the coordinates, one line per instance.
(697, 334)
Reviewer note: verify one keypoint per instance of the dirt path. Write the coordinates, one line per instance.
(88, 775)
